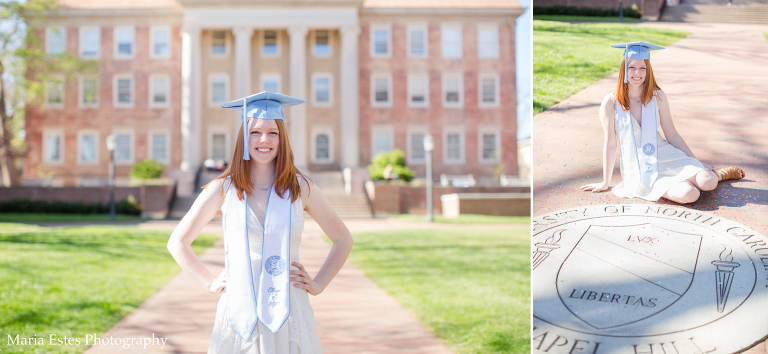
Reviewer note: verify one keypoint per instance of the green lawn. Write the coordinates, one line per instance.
(72, 281)
(569, 57)
(45, 217)
(584, 18)
(466, 219)
(471, 287)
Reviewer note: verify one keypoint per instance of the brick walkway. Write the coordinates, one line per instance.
(717, 83)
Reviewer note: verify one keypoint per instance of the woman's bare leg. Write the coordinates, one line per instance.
(684, 192)
(704, 180)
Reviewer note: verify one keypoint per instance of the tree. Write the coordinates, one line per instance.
(24, 69)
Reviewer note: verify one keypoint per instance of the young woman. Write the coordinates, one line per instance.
(651, 167)
(262, 310)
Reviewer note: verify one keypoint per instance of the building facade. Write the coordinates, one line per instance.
(377, 75)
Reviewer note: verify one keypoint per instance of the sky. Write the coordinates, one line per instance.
(524, 70)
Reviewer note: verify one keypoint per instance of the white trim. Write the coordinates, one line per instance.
(388, 28)
(379, 75)
(81, 44)
(382, 129)
(132, 141)
(460, 77)
(327, 130)
(115, 45)
(413, 27)
(48, 131)
(415, 129)
(152, 39)
(415, 75)
(115, 93)
(150, 148)
(151, 91)
(480, 102)
(276, 76)
(328, 76)
(81, 92)
(262, 42)
(218, 129)
(488, 129)
(313, 39)
(211, 77)
(49, 34)
(494, 53)
(80, 134)
(454, 129)
(58, 80)
(227, 44)
(451, 26)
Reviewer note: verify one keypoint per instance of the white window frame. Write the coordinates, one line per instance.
(382, 128)
(494, 53)
(496, 79)
(47, 131)
(277, 76)
(379, 75)
(451, 26)
(150, 148)
(129, 132)
(211, 77)
(327, 130)
(415, 129)
(444, 91)
(55, 80)
(218, 129)
(80, 134)
(373, 29)
(115, 92)
(81, 92)
(116, 44)
(488, 129)
(152, 40)
(81, 45)
(279, 39)
(454, 129)
(227, 45)
(330, 43)
(417, 27)
(414, 75)
(49, 31)
(151, 98)
(328, 76)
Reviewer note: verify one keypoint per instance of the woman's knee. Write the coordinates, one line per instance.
(707, 180)
(684, 193)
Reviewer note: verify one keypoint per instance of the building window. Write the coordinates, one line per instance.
(124, 91)
(490, 146)
(417, 41)
(488, 41)
(453, 146)
(321, 89)
(270, 82)
(54, 93)
(451, 40)
(418, 90)
(322, 45)
(381, 90)
(159, 147)
(218, 89)
(322, 147)
(52, 147)
(159, 90)
(160, 43)
(382, 139)
(270, 47)
(489, 90)
(123, 148)
(55, 40)
(453, 88)
(89, 92)
(219, 146)
(88, 146)
(90, 42)
(124, 42)
(416, 152)
(381, 41)
(219, 43)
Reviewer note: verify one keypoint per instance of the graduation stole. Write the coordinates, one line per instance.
(271, 304)
(646, 170)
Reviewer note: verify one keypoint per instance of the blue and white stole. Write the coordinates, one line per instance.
(271, 305)
(646, 168)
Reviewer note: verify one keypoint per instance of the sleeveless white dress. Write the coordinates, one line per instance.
(299, 334)
(674, 167)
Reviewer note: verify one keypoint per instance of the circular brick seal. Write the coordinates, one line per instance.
(646, 279)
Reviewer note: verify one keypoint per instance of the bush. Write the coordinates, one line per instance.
(147, 169)
(396, 158)
(128, 206)
(562, 10)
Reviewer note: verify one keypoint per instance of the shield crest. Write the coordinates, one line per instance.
(617, 275)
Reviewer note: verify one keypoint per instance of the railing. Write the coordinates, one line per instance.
(368, 198)
(171, 200)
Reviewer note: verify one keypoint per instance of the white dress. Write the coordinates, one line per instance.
(299, 334)
(674, 167)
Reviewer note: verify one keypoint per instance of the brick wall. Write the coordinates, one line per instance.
(487, 204)
(399, 199)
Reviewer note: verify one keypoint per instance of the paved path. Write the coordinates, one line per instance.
(717, 83)
(353, 315)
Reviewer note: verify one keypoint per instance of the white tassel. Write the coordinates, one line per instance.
(246, 150)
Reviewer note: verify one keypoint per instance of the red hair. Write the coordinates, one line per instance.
(285, 172)
(649, 86)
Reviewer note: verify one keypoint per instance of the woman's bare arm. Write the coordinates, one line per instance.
(668, 127)
(609, 145)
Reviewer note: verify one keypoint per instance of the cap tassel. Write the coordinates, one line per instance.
(246, 150)
(626, 63)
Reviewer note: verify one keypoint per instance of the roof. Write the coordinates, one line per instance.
(116, 4)
(442, 4)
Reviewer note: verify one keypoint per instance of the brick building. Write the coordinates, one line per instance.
(377, 75)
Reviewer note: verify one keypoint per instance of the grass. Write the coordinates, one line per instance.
(466, 219)
(45, 217)
(472, 288)
(569, 57)
(73, 281)
(584, 18)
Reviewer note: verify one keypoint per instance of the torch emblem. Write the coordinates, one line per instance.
(724, 276)
(544, 248)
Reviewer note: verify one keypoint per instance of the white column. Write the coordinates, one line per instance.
(298, 115)
(350, 96)
(190, 108)
(242, 61)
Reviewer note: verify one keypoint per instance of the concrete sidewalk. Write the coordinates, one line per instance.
(717, 82)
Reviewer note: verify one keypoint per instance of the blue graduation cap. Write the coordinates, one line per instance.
(635, 50)
(263, 105)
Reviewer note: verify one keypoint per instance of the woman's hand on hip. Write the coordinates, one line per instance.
(595, 187)
(218, 285)
(303, 280)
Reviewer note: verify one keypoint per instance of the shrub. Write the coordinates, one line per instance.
(562, 10)
(129, 206)
(396, 158)
(147, 169)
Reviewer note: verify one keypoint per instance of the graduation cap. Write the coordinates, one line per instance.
(263, 105)
(635, 50)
